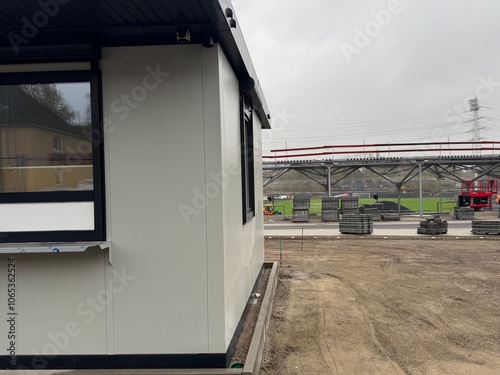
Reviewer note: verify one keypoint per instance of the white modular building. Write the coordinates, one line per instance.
(131, 230)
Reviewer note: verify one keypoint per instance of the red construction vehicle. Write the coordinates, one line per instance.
(478, 194)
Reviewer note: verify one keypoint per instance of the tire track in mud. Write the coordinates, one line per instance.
(373, 335)
(344, 339)
(371, 328)
(388, 308)
(326, 350)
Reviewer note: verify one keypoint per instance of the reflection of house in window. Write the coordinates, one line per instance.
(32, 136)
(59, 176)
(57, 145)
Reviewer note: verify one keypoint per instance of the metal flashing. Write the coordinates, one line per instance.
(44, 248)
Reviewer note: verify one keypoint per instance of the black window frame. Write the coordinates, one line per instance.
(94, 77)
(247, 159)
(59, 149)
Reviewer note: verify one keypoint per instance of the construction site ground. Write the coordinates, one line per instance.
(385, 306)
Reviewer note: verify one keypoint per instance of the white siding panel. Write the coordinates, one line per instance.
(156, 168)
(27, 217)
(60, 303)
(214, 193)
(243, 244)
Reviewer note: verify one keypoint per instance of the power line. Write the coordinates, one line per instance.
(388, 131)
(363, 123)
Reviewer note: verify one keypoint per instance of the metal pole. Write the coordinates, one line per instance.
(420, 186)
(329, 180)
(399, 201)
(281, 252)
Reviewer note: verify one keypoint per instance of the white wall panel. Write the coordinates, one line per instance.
(26, 217)
(156, 179)
(214, 193)
(59, 303)
(243, 244)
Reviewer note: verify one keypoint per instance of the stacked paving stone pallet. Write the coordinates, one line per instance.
(329, 209)
(464, 213)
(485, 227)
(436, 225)
(356, 224)
(374, 210)
(301, 210)
(349, 205)
(390, 217)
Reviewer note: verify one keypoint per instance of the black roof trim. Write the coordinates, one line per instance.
(75, 30)
(233, 44)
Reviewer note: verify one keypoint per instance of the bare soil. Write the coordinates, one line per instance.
(355, 306)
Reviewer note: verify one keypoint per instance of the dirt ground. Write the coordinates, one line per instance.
(355, 306)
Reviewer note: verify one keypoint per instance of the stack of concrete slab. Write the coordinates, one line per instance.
(464, 213)
(356, 224)
(300, 210)
(330, 215)
(374, 210)
(329, 209)
(390, 217)
(486, 227)
(349, 205)
(433, 226)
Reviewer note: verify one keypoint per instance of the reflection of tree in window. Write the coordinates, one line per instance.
(49, 96)
(44, 141)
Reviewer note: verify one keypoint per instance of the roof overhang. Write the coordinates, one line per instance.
(64, 30)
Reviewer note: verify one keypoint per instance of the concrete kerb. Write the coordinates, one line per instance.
(256, 349)
(126, 372)
(368, 237)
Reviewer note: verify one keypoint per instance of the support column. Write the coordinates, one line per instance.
(399, 199)
(329, 180)
(420, 186)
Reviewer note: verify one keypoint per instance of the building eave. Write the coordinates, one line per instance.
(78, 29)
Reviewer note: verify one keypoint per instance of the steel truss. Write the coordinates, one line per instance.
(329, 173)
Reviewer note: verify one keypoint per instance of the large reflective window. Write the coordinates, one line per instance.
(45, 133)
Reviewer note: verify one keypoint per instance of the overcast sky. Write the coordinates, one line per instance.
(344, 72)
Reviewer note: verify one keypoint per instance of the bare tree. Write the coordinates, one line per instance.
(49, 96)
